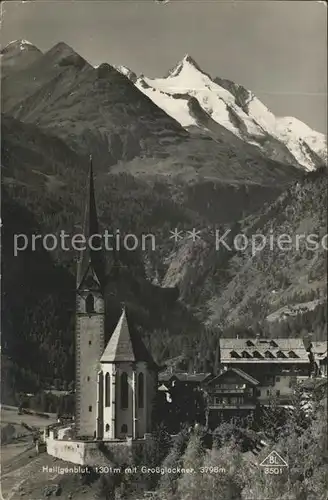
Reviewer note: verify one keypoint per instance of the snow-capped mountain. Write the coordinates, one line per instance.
(17, 54)
(195, 100)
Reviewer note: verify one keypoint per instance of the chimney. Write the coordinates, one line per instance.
(257, 337)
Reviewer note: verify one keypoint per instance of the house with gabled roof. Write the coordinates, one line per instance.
(276, 363)
(231, 394)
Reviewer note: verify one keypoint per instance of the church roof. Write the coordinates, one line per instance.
(125, 345)
(90, 261)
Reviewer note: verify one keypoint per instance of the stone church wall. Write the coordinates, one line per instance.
(70, 451)
(95, 453)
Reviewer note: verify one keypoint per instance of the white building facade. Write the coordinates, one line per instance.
(127, 382)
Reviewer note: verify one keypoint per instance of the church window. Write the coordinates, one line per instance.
(107, 389)
(88, 378)
(124, 391)
(140, 390)
(89, 342)
(124, 428)
(90, 304)
(107, 428)
(90, 408)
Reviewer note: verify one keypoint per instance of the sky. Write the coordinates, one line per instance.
(277, 49)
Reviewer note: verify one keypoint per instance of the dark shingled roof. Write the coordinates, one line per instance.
(183, 376)
(282, 350)
(126, 345)
(238, 372)
(90, 258)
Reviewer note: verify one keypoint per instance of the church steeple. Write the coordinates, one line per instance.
(90, 318)
(91, 262)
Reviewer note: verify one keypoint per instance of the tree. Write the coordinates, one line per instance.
(169, 480)
(190, 484)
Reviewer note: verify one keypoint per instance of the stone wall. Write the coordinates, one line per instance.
(71, 451)
(95, 453)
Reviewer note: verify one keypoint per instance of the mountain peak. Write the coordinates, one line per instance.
(19, 45)
(190, 60)
(61, 48)
(63, 55)
(186, 62)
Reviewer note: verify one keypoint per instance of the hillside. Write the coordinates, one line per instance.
(245, 286)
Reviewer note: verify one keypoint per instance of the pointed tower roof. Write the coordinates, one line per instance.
(90, 259)
(125, 345)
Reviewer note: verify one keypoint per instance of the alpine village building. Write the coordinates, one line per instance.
(252, 371)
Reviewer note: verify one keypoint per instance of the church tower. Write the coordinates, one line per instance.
(90, 318)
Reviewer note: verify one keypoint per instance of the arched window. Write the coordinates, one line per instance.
(107, 428)
(90, 304)
(140, 390)
(107, 389)
(124, 429)
(124, 391)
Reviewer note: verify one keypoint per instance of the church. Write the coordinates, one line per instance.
(115, 384)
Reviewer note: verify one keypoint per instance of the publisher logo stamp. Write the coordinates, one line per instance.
(274, 464)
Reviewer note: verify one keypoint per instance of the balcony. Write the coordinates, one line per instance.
(218, 403)
(232, 406)
(230, 390)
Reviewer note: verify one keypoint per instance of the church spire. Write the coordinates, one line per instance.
(90, 259)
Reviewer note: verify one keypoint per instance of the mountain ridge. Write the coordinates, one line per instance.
(306, 147)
